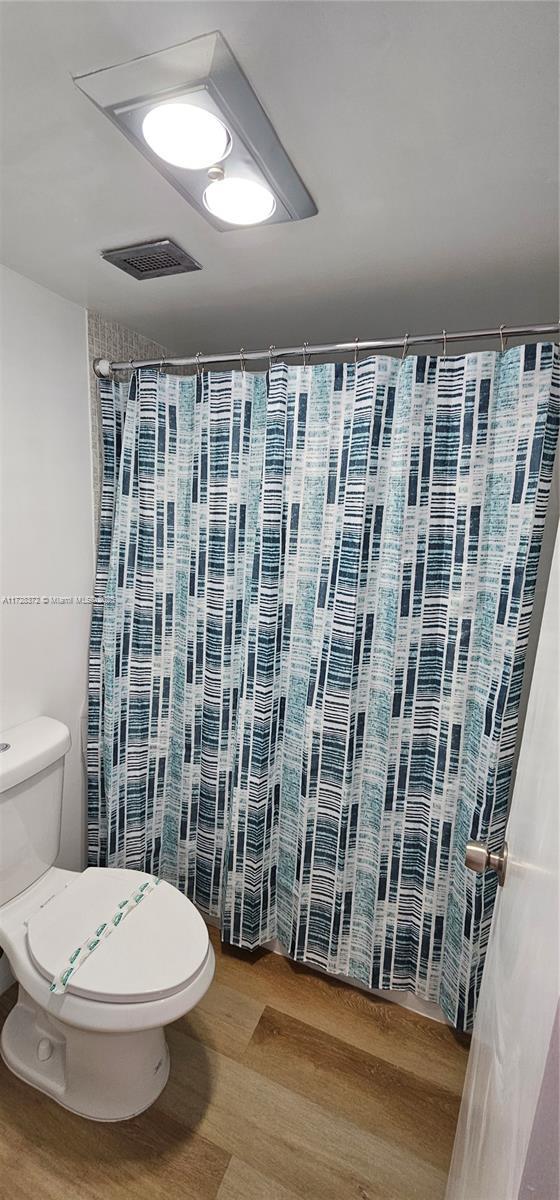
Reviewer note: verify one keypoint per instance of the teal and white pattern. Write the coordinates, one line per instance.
(313, 599)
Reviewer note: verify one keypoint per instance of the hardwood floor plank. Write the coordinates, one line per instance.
(380, 1098)
(286, 1137)
(225, 1019)
(428, 1049)
(241, 1182)
(285, 1085)
(48, 1153)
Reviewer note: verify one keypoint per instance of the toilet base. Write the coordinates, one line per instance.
(101, 1076)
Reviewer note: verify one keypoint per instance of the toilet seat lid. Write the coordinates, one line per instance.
(153, 953)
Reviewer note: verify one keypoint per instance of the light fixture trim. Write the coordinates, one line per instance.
(239, 201)
(186, 135)
(203, 71)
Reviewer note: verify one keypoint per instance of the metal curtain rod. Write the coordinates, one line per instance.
(103, 368)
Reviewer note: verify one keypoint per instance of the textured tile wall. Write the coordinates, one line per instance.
(107, 339)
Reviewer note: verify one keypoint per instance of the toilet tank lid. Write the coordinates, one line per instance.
(28, 748)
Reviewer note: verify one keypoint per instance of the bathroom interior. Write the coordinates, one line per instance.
(279, 624)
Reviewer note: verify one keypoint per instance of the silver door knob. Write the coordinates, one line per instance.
(478, 858)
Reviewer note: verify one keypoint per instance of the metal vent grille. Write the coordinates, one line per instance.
(150, 260)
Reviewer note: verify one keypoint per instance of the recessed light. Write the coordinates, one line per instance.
(186, 136)
(239, 201)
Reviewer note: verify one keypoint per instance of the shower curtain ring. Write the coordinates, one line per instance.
(242, 359)
(356, 350)
(405, 347)
(305, 350)
(198, 365)
(161, 366)
(503, 340)
(271, 350)
(444, 339)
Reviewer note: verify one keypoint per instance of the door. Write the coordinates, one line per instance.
(519, 993)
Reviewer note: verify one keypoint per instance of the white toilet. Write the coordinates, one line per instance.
(98, 1048)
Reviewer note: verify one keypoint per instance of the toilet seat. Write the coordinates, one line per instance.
(108, 1057)
(153, 954)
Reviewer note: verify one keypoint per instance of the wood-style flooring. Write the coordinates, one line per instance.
(285, 1085)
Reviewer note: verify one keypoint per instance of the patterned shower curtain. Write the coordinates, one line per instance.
(313, 597)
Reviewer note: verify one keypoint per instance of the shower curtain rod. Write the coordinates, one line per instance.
(104, 369)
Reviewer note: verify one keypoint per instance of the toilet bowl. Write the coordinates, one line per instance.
(98, 1047)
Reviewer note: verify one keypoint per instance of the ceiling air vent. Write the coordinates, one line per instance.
(149, 260)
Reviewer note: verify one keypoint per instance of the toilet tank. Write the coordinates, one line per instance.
(31, 775)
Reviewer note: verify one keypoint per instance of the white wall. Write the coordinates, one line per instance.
(46, 523)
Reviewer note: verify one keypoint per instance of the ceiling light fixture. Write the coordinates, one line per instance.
(186, 136)
(187, 109)
(239, 201)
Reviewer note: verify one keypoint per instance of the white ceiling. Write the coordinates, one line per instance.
(427, 134)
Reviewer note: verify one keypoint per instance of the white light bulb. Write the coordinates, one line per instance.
(185, 135)
(239, 201)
